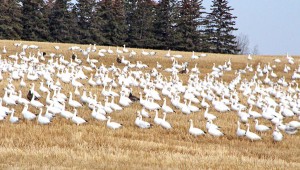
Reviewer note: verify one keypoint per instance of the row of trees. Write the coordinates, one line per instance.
(166, 24)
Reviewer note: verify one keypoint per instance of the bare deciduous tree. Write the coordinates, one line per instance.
(243, 43)
(255, 50)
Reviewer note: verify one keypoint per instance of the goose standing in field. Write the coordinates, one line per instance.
(140, 122)
(36, 103)
(277, 136)
(166, 108)
(250, 135)
(164, 123)
(73, 103)
(66, 114)
(261, 128)
(97, 115)
(240, 132)
(77, 120)
(27, 114)
(13, 119)
(42, 119)
(21, 100)
(112, 125)
(145, 113)
(4, 51)
(195, 131)
(209, 116)
(214, 130)
(157, 120)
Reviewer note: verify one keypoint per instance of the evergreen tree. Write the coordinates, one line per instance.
(220, 28)
(141, 23)
(164, 24)
(98, 24)
(34, 20)
(85, 10)
(189, 26)
(10, 20)
(114, 27)
(60, 21)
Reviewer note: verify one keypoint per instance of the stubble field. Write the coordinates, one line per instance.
(64, 145)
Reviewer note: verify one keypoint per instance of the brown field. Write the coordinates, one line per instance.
(63, 145)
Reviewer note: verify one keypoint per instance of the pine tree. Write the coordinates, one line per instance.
(60, 21)
(10, 20)
(189, 26)
(221, 27)
(85, 10)
(118, 26)
(114, 28)
(34, 20)
(164, 24)
(141, 23)
(98, 24)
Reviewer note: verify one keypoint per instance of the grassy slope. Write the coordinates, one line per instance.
(64, 145)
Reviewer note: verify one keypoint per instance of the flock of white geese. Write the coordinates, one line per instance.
(272, 96)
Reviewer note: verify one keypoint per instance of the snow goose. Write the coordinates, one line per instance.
(97, 115)
(42, 119)
(112, 125)
(204, 103)
(43, 88)
(210, 124)
(254, 114)
(73, 103)
(115, 106)
(66, 114)
(27, 114)
(166, 108)
(36, 103)
(22, 100)
(209, 116)
(145, 113)
(294, 124)
(164, 123)
(185, 109)
(250, 135)
(195, 131)
(140, 123)
(261, 128)
(240, 132)
(77, 120)
(277, 136)
(157, 120)
(7, 99)
(13, 119)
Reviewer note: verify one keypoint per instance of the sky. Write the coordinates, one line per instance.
(272, 25)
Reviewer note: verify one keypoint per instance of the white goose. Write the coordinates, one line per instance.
(112, 125)
(250, 135)
(164, 123)
(97, 115)
(195, 131)
(77, 120)
(36, 103)
(13, 119)
(209, 116)
(240, 132)
(73, 103)
(140, 123)
(157, 120)
(166, 108)
(261, 128)
(42, 119)
(277, 135)
(27, 114)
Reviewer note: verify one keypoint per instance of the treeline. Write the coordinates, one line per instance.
(167, 24)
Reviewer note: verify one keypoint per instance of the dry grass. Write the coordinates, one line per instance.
(63, 145)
